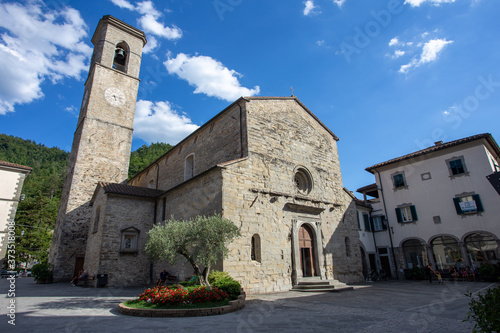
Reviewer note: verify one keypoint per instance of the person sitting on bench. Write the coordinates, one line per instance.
(164, 275)
(80, 279)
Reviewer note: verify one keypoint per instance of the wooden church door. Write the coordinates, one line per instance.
(306, 251)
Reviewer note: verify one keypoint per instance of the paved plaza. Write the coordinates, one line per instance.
(392, 306)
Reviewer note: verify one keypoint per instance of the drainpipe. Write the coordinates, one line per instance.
(388, 226)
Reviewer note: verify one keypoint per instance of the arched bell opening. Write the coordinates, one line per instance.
(120, 59)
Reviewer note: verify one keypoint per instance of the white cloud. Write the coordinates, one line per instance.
(209, 76)
(123, 4)
(159, 122)
(310, 8)
(398, 53)
(431, 49)
(430, 52)
(38, 44)
(394, 41)
(417, 3)
(339, 2)
(151, 45)
(320, 42)
(150, 24)
(150, 19)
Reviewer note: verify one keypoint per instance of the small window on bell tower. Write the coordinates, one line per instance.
(120, 58)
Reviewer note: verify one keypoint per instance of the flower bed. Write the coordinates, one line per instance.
(178, 295)
(182, 302)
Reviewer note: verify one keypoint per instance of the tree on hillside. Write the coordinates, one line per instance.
(145, 155)
(36, 214)
(201, 241)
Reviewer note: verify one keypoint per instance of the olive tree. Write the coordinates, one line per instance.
(201, 241)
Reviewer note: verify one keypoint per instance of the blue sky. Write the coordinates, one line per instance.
(387, 77)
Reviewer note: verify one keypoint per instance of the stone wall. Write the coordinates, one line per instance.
(260, 195)
(104, 255)
(201, 195)
(218, 141)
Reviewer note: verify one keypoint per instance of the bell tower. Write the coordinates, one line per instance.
(102, 140)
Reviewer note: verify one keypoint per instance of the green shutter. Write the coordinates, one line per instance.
(399, 215)
(456, 201)
(367, 222)
(479, 205)
(359, 224)
(414, 216)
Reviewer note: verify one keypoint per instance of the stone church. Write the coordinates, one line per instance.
(266, 163)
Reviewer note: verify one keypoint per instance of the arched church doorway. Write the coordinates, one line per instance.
(306, 248)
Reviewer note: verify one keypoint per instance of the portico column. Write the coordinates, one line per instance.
(463, 250)
(430, 256)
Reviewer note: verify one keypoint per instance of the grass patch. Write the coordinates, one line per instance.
(137, 304)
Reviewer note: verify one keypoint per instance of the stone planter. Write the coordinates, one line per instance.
(235, 305)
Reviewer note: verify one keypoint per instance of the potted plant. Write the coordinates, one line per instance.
(42, 273)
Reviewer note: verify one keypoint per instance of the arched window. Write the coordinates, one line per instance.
(303, 181)
(414, 251)
(151, 183)
(189, 167)
(121, 57)
(446, 252)
(347, 246)
(255, 251)
(482, 248)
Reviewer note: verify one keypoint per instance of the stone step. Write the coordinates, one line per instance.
(318, 285)
(314, 283)
(313, 286)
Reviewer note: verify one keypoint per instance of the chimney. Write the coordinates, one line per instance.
(438, 143)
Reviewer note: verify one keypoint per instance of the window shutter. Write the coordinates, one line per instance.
(384, 222)
(367, 222)
(413, 213)
(479, 205)
(399, 215)
(359, 223)
(456, 201)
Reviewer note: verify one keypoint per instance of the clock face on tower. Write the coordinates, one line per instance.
(114, 96)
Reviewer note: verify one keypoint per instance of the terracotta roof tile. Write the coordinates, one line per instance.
(438, 147)
(15, 165)
(367, 188)
(135, 191)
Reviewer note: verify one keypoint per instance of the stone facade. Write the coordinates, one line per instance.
(112, 215)
(102, 141)
(266, 163)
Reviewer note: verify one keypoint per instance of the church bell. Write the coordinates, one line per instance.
(119, 54)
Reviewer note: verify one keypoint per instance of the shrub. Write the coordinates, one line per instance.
(41, 272)
(217, 275)
(225, 282)
(487, 270)
(189, 283)
(484, 311)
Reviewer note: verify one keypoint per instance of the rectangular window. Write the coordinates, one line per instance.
(457, 167)
(398, 180)
(468, 204)
(366, 219)
(359, 223)
(406, 214)
(378, 223)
